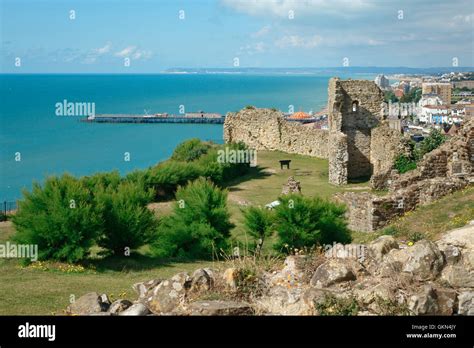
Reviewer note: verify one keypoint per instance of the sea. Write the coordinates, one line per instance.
(35, 142)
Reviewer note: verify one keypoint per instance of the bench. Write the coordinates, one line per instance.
(285, 163)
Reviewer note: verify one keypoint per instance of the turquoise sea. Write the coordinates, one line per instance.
(50, 144)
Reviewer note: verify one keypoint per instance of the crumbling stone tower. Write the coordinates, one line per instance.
(355, 107)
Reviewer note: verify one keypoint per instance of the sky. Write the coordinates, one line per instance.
(145, 36)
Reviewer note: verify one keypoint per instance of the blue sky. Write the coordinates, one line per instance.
(263, 33)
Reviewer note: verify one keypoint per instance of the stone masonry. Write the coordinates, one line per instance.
(355, 108)
(362, 143)
(442, 171)
(266, 129)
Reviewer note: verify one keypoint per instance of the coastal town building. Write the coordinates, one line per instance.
(442, 89)
(382, 82)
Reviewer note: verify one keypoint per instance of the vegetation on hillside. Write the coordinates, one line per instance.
(406, 162)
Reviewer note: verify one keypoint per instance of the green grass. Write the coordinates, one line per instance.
(452, 211)
(43, 292)
(36, 291)
(264, 184)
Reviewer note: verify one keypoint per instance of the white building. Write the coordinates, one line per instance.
(382, 81)
(430, 99)
(434, 114)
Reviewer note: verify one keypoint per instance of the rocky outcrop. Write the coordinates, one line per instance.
(427, 278)
(292, 186)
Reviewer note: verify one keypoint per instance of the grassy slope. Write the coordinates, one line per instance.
(34, 291)
(429, 221)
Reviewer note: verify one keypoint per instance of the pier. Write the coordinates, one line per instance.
(195, 117)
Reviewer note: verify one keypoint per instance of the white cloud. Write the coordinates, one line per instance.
(92, 55)
(134, 53)
(103, 50)
(251, 49)
(281, 8)
(126, 51)
(262, 32)
(289, 41)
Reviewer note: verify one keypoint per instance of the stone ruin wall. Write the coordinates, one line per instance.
(351, 130)
(442, 171)
(362, 143)
(265, 129)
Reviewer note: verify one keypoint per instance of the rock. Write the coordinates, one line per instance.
(143, 288)
(167, 295)
(462, 237)
(425, 261)
(451, 253)
(87, 304)
(119, 306)
(313, 296)
(292, 186)
(458, 276)
(331, 272)
(368, 292)
(283, 301)
(466, 303)
(381, 246)
(136, 310)
(230, 278)
(424, 303)
(292, 272)
(447, 301)
(220, 308)
(201, 281)
(105, 300)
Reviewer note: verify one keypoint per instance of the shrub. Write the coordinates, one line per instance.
(200, 223)
(60, 217)
(190, 150)
(431, 142)
(127, 221)
(258, 223)
(404, 164)
(305, 222)
(96, 181)
(167, 176)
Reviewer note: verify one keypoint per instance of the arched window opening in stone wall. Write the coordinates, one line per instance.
(355, 106)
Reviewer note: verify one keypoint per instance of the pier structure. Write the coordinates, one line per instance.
(194, 117)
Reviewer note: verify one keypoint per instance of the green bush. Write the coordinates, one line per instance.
(431, 142)
(258, 222)
(190, 150)
(127, 221)
(167, 176)
(60, 217)
(306, 222)
(404, 164)
(199, 226)
(96, 181)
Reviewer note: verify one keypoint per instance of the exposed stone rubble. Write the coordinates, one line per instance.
(292, 186)
(445, 170)
(427, 278)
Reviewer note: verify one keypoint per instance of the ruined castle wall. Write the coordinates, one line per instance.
(265, 129)
(355, 107)
(433, 179)
(386, 144)
(452, 159)
(338, 158)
